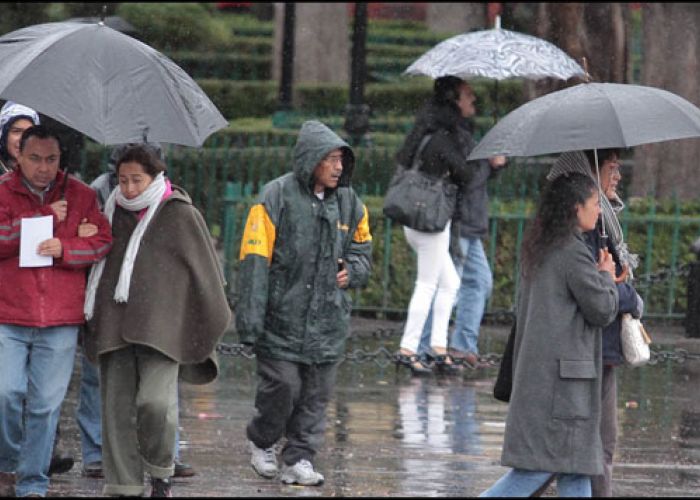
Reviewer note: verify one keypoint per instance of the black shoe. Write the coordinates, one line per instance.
(93, 469)
(413, 362)
(160, 488)
(183, 470)
(443, 362)
(61, 462)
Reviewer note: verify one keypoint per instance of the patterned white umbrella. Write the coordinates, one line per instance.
(497, 54)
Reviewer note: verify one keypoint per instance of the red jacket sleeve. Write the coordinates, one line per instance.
(83, 252)
(11, 225)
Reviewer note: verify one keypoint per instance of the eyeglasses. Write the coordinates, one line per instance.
(332, 159)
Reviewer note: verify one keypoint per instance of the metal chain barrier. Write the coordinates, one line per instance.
(645, 280)
(383, 357)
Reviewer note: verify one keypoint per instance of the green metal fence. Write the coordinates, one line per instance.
(661, 240)
(223, 180)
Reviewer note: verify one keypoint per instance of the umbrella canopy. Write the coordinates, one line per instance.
(497, 54)
(107, 85)
(591, 116)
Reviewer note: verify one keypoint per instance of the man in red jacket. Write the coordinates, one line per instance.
(43, 306)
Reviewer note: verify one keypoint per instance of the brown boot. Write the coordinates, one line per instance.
(7, 484)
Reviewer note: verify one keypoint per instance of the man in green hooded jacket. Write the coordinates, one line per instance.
(306, 241)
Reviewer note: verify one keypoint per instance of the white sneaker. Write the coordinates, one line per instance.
(264, 461)
(301, 472)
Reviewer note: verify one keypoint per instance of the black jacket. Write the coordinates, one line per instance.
(447, 151)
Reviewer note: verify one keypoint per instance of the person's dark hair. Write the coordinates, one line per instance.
(40, 132)
(446, 89)
(145, 156)
(603, 155)
(556, 217)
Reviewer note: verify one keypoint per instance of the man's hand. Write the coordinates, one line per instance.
(342, 278)
(52, 248)
(60, 208)
(497, 161)
(86, 229)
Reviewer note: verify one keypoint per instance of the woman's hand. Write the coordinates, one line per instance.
(86, 229)
(606, 263)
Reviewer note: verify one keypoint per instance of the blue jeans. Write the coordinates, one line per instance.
(89, 417)
(523, 483)
(35, 368)
(474, 292)
(88, 413)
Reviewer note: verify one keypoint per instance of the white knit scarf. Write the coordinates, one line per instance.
(150, 198)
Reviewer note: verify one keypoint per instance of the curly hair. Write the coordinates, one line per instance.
(555, 219)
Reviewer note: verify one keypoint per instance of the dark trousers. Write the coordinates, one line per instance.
(291, 401)
(601, 486)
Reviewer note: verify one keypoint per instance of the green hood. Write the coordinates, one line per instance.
(315, 141)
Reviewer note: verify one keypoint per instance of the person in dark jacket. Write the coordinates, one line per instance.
(305, 242)
(445, 116)
(39, 320)
(564, 300)
(608, 174)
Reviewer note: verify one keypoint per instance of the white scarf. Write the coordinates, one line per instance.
(150, 198)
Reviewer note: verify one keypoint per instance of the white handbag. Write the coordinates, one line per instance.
(635, 341)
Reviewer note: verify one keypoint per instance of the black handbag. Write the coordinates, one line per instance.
(504, 380)
(419, 200)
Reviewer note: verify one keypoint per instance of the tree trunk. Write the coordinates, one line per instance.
(561, 24)
(596, 31)
(321, 43)
(606, 41)
(456, 17)
(670, 62)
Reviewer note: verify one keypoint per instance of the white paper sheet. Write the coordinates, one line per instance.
(34, 230)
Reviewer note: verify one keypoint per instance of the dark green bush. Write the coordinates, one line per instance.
(175, 26)
(238, 99)
(223, 65)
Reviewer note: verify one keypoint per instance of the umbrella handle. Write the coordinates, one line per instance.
(63, 185)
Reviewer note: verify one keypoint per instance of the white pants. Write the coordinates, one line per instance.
(437, 280)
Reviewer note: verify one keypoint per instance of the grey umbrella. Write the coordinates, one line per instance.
(591, 116)
(107, 85)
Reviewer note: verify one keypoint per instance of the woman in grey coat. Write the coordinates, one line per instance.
(565, 298)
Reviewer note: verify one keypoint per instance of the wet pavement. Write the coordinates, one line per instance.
(390, 434)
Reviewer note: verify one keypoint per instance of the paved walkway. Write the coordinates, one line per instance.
(389, 434)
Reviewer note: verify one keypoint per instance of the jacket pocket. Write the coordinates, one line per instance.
(573, 389)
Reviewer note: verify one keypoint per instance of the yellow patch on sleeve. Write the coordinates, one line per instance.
(362, 232)
(259, 234)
